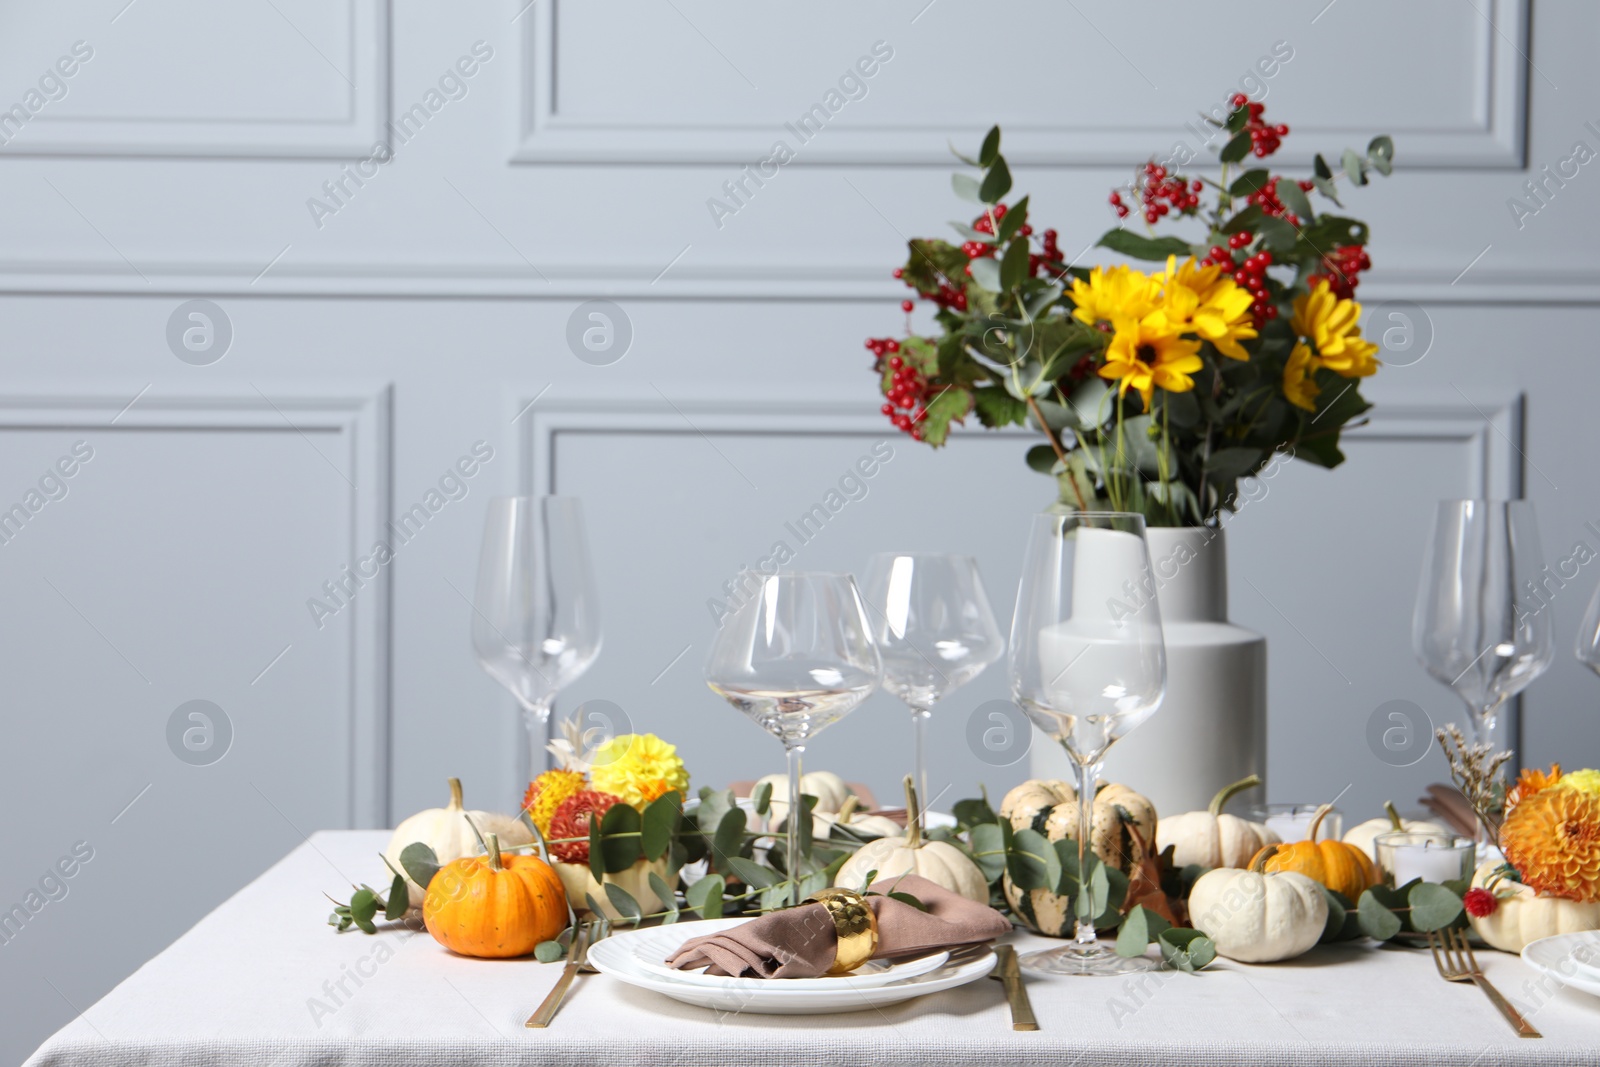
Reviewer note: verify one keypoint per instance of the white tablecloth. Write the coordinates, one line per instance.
(262, 981)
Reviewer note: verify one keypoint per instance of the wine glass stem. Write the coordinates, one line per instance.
(796, 813)
(919, 726)
(536, 717)
(1484, 721)
(1085, 936)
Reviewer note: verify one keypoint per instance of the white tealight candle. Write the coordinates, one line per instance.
(1292, 822)
(1430, 860)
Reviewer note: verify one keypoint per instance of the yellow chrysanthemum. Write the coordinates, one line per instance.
(1118, 293)
(546, 793)
(1332, 326)
(1553, 839)
(1214, 307)
(638, 768)
(1587, 780)
(1149, 352)
(1299, 382)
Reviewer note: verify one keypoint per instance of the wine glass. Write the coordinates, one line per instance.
(796, 657)
(935, 631)
(1480, 626)
(1087, 665)
(535, 614)
(1589, 635)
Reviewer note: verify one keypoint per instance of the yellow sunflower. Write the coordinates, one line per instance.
(1299, 382)
(1333, 328)
(1148, 352)
(1108, 295)
(1553, 838)
(1213, 307)
(638, 768)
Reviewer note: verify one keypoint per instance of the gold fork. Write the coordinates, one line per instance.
(1453, 955)
(577, 955)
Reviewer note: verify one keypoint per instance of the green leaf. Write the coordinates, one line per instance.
(1032, 861)
(763, 798)
(712, 808)
(1139, 929)
(729, 838)
(597, 856)
(996, 407)
(1433, 907)
(1354, 167)
(1294, 198)
(971, 811)
(966, 187)
(364, 905)
(950, 404)
(991, 147)
(1377, 921)
(623, 901)
(1237, 148)
(988, 847)
(1014, 267)
(1186, 950)
(548, 951)
(1277, 234)
(420, 863)
(705, 896)
(996, 183)
(986, 272)
(621, 852)
(1042, 458)
(1380, 153)
(1332, 230)
(808, 802)
(659, 823)
(1135, 246)
(1320, 167)
(664, 893)
(1014, 220)
(907, 898)
(1326, 188)
(749, 872)
(1238, 118)
(399, 899)
(1249, 182)
(1228, 464)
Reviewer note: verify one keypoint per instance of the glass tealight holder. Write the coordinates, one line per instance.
(1405, 857)
(1292, 822)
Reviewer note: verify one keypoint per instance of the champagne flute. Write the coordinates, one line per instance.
(796, 657)
(535, 614)
(1088, 664)
(934, 628)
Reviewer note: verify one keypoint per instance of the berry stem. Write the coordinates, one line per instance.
(1033, 406)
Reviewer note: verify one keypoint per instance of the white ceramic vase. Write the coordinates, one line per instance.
(1211, 728)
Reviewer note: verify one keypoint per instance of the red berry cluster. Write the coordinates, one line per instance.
(1341, 268)
(1160, 194)
(908, 390)
(1250, 274)
(1266, 198)
(1264, 139)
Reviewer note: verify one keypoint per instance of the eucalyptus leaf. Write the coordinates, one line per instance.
(659, 822)
(966, 187)
(1249, 182)
(988, 847)
(623, 901)
(1237, 148)
(1377, 921)
(548, 951)
(730, 837)
(1136, 246)
(986, 272)
(973, 811)
(1380, 153)
(996, 182)
(620, 830)
(990, 151)
(814, 883)
(1354, 167)
(664, 893)
(907, 898)
(1042, 458)
(1433, 907)
(1186, 950)
(1032, 861)
(749, 872)
(399, 899)
(805, 825)
(364, 905)
(1015, 218)
(763, 798)
(705, 896)
(1320, 167)
(597, 857)
(1294, 198)
(969, 234)
(420, 863)
(1014, 267)
(1326, 187)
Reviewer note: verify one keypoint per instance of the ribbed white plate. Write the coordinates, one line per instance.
(1572, 959)
(615, 956)
(651, 947)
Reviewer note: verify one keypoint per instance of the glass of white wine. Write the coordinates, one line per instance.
(796, 657)
(1088, 664)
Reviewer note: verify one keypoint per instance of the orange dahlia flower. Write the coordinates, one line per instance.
(1553, 838)
(545, 794)
(1530, 782)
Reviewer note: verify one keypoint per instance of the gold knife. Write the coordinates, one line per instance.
(1010, 976)
(552, 1003)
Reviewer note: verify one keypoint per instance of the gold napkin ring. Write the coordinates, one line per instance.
(856, 925)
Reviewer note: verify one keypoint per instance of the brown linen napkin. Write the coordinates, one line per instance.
(799, 942)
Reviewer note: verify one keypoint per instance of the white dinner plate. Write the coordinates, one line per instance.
(1572, 959)
(651, 947)
(614, 956)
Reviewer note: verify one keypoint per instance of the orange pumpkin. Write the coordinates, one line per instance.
(1343, 868)
(495, 906)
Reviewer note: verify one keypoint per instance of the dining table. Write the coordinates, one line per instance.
(264, 980)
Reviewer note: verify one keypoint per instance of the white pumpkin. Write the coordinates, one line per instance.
(447, 832)
(1522, 915)
(1211, 838)
(1257, 917)
(581, 883)
(1365, 835)
(829, 789)
(939, 862)
(855, 824)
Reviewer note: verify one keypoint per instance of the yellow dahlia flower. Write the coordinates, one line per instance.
(1333, 328)
(1118, 293)
(1553, 838)
(1299, 382)
(1148, 352)
(638, 768)
(1587, 780)
(546, 793)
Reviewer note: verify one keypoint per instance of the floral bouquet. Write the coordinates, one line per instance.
(1156, 390)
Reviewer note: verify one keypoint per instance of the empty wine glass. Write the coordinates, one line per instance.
(1087, 665)
(1480, 626)
(935, 632)
(796, 657)
(1589, 635)
(535, 614)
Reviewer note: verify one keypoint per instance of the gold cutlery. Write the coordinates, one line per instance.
(1010, 976)
(577, 955)
(1453, 956)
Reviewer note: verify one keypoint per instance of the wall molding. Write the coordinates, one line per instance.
(1494, 139)
(361, 419)
(352, 137)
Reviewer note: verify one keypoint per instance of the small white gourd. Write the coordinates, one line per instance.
(1258, 917)
(1212, 839)
(829, 789)
(1522, 915)
(939, 862)
(447, 831)
(1365, 835)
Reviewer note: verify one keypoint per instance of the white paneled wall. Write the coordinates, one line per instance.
(397, 207)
